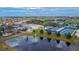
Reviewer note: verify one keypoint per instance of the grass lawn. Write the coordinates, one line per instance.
(4, 47)
(75, 20)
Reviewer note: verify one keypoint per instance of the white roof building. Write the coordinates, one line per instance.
(77, 33)
(17, 22)
(33, 26)
(47, 27)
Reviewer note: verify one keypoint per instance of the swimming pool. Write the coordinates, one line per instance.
(67, 31)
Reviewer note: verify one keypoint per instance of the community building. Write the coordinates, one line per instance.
(77, 33)
(31, 27)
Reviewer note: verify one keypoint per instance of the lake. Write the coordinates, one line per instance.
(31, 43)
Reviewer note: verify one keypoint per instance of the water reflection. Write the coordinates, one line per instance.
(32, 43)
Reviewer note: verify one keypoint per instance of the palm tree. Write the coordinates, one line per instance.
(34, 32)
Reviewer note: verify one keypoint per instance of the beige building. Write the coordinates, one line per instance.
(77, 33)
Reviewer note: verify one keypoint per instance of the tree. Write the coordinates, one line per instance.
(41, 31)
(58, 33)
(2, 28)
(9, 28)
(24, 29)
(34, 31)
(68, 36)
(49, 33)
(0, 33)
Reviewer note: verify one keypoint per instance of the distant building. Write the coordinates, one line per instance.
(7, 34)
(77, 33)
(31, 27)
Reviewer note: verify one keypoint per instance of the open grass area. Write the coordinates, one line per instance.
(4, 47)
(72, 21)
(75, 20)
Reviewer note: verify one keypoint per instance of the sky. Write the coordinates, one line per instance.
(39, 11)
(39, 3)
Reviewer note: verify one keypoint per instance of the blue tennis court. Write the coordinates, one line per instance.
(67, 31)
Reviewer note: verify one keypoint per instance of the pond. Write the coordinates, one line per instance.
(31, 43)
